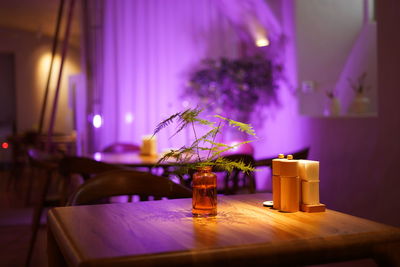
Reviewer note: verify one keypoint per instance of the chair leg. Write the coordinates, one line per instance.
(252, 183)
(13, 176)
(37, 214)
(226, 183)
(29, 189)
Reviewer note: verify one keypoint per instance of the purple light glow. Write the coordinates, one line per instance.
(128, 118)
(146, 69)
(97, 121)
(185, 104)
(97, 156)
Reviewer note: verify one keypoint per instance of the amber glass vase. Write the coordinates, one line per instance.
(204, 192)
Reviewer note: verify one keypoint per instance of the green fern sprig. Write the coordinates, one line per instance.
(227, 148)
(184, 156)
(165, 123)
(221, 164)
(243, 127)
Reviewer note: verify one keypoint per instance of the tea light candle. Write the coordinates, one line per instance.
(149, 145)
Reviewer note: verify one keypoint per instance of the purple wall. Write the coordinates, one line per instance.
(359, 173)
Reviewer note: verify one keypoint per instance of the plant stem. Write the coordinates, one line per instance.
(209, 151)
(195, 136)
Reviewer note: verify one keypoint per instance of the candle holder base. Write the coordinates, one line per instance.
(313, 208)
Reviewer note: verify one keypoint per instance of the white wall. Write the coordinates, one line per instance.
(359, 166)
(32, 54)
(328, 33)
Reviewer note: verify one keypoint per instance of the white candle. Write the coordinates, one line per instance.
(309, 170)
(149, 145)
(309, 175)
(310, 192)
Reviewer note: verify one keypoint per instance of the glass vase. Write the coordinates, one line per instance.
(204, 201)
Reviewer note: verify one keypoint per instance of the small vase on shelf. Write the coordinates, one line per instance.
(333, 107)
(360, 104)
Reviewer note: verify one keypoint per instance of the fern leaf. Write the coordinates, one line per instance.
(165, 123)
(243, 127)
(218, 144)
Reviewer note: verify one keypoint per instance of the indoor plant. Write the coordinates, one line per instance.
(235, 86)
(203, 154)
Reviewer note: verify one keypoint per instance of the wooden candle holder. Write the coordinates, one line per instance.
(313, 208)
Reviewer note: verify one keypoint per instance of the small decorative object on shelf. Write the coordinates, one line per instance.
(360, 103)
(203, 154)
(333, 108)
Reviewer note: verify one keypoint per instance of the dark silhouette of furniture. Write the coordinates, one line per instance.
(127, 182)
(44, 167)
(85, 167)
(19, 145)
(237, 181)
(64, 167)
(121, 148)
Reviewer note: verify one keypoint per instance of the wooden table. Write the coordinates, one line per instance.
(127, 159)
(244, 233)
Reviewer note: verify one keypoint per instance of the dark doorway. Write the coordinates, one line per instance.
(7, 105)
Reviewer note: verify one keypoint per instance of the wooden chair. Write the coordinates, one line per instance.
(127, 182)
(85, 167)
(121, 148)
(236, 181)
(267, 162)
(19, 145)
(46, 164)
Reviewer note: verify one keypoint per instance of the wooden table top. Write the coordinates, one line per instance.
(164, 233)
(128, 159)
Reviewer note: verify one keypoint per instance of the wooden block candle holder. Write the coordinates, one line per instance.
(313, 207)
(309, 175)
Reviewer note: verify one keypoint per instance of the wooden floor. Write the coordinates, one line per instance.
(15, 229)
(15, 223)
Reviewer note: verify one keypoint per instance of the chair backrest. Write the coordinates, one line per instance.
(237, 180)
(127, 182)
(41, 159)
(267, 162)
(121, 148)
(85, 167)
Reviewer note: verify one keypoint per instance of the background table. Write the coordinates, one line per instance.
(244, 233)
(127, 159)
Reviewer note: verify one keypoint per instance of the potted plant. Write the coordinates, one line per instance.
(235, 86)
(203, 154)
